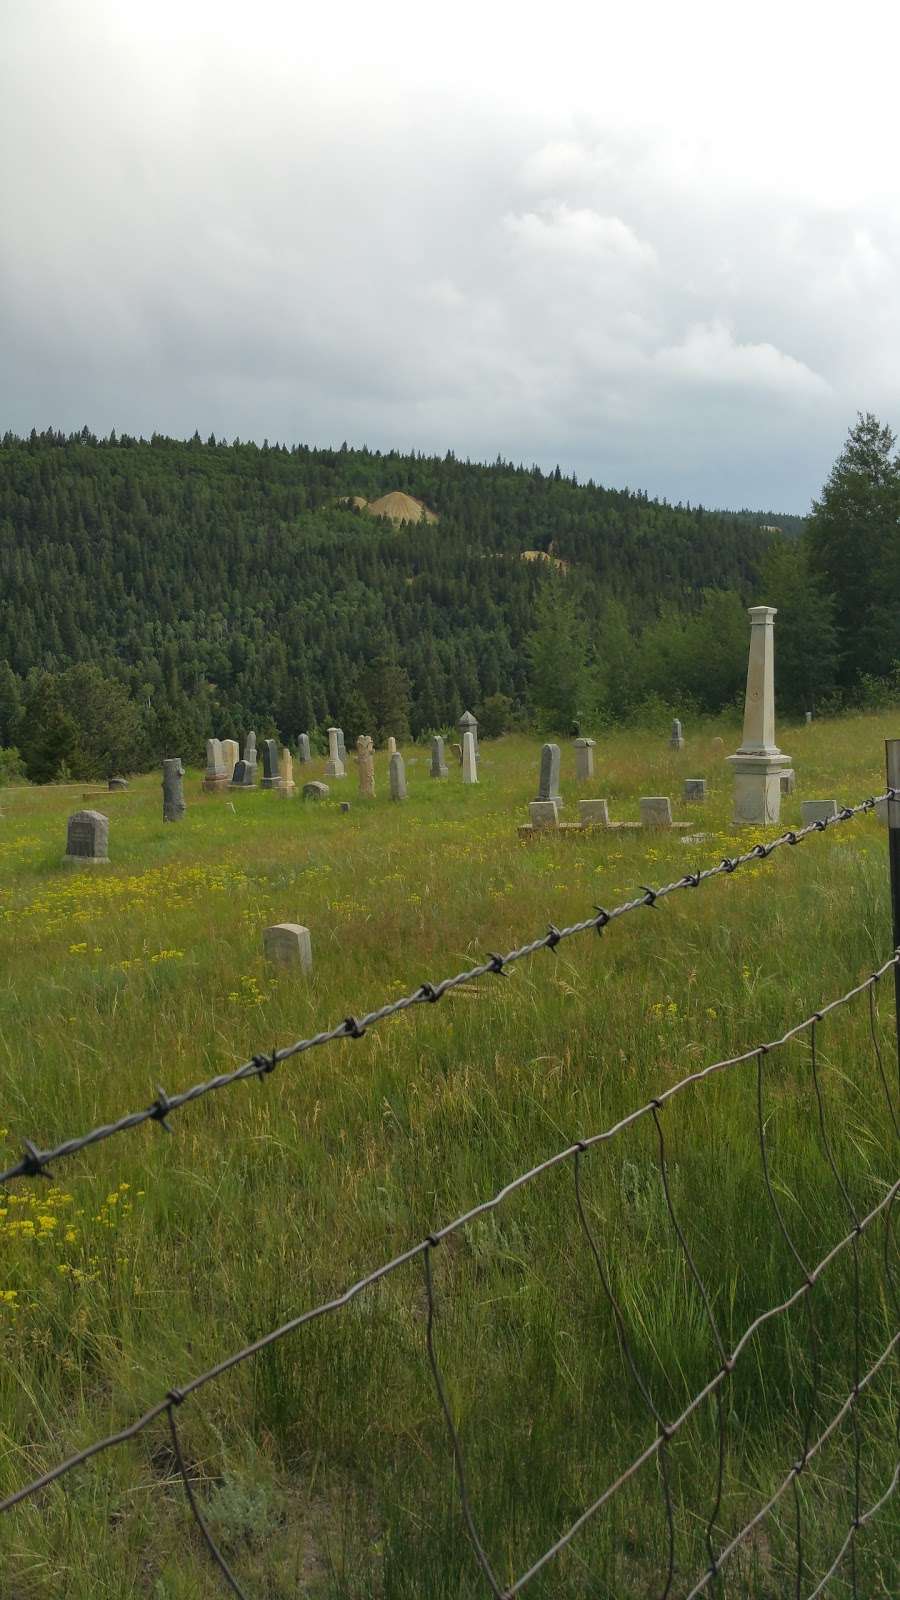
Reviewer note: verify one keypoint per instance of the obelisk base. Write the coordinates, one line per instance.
(757, 789)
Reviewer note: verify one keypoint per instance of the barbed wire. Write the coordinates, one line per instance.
(35, 1162)
(665, 1431)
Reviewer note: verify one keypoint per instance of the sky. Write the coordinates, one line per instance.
(661, 249)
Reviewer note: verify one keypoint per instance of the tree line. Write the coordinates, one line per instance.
(155, 591)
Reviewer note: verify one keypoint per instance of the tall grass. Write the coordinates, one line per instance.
(323, 1465)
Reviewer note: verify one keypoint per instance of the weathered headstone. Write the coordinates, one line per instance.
(216, 776)
(173, 790)
(817, 811)
(288, 944)
(656, 811)
(243, 776)
(286, 773)
(344, 806)
(271, 776)
(584, 759)
(231, 755)
(342, 748)
(758, 763)
(391, 745)
(316, 791)
(593, 813)
(250, 757)
(468, 724)
(457, 751)
(543, 813)
(677, 739)
(808, 715)
(335, 767)
(694, 793)
(397, 772)
(788, 780)
(87, 839)
(303, 747)
(548, 787)
(469, 762)
(438, 764)
(117, 783)
(365, 765)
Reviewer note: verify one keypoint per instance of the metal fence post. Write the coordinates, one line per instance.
(892, 765)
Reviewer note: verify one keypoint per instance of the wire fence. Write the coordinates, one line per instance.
(727, 1360)
(36, 1162)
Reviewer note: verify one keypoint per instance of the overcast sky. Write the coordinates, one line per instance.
(661, 249)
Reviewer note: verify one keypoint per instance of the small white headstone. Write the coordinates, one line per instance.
(469, 763)
(656, 811)
(593, 813)
(288, 944)
(543, 813)
(818, 811)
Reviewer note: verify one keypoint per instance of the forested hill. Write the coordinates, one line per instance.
(232, 577)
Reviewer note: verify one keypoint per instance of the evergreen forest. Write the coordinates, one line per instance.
(153, 592)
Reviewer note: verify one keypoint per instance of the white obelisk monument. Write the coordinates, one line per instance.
(758, 763)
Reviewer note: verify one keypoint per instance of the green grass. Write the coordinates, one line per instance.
(323, 1464)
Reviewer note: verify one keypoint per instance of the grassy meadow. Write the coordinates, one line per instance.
(323, 1465)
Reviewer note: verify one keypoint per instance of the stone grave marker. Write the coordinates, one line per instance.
(656, 811)
(397, 776)
(286, 773)
(335, 767)
(548, 786)
(788, 780)
(817, 811)
(438, 764)
(216, 777)
(469, 763)
(593, 813)
(288, 944)
(303, 747)
(115, 784)
(694, 792)
(365, 765)
(468, 724)
(316, 791)
(584, 759)
(391, 745)
(87, 839)
(231, 755)
(758, 763)
(677, 739)
(271, 776)
(543, 813)
(173, 790)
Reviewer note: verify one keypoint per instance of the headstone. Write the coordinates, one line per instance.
(758, 763)
(677, 739)
(303, 747)
(469, 763)
(694, 793)
(216, 776)
(117, 783)
(817, 811)
(391, 745)
(288, 944)
(457, 751)
(717, 745)
(231, 755)
(656, 811)
(593, 813)
(344, 806)
(243, 776)
(468, 724)
(271, 776)
(286, 773)
(335, 767)
(250, 758)
(543, 813)
(438, 764)
(808, 717)
(584, 759)
(397, 776)
(548, 787)
(173, 790)
(87, 839)
(787, 779)
(342, 748)
(365, 765)
(316, 791)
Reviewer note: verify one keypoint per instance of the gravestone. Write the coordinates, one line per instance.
(717, 745)
(808, 715)
(677, 739)
(694, 793)
(391, 745)
(758, 763)
(342, 748)
(316, 791)
(216, 777)
(365, 765)
(344, 806)
(457, 751)
(398, 776)
(303, 747)
(117, 783)
(817, 811)
(87, 839)
(271, 776)
(288, 944)
(593, 813)
(438, 764)
(543, 813)
(243, 776)
(173, 790)
(469, 762)
(584, 759)
(468, 724)
(231, 755)
(286, 773)
(548, 787)
(334, 767)
(656, 811)
(787, 780)
(250, 758)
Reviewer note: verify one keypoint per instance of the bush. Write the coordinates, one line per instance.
(494, 716)
(12, 767)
